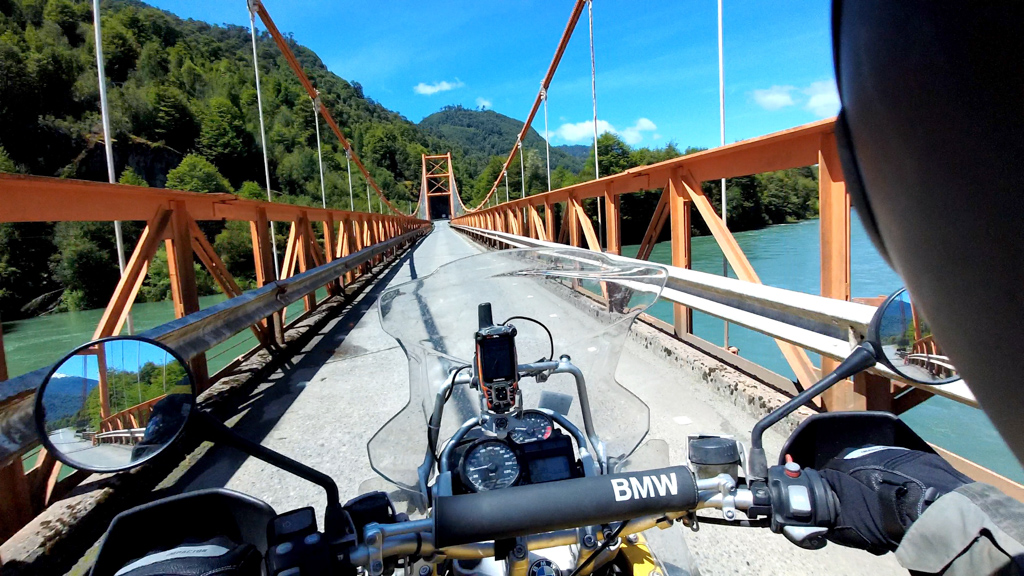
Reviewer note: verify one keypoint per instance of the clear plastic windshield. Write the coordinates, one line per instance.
(585, 299)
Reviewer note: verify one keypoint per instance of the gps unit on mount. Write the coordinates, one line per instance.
(496, 361)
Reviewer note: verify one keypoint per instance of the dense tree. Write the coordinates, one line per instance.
(85, 263)
(482, 184)
(173, 121)
(6, 164)
(197, 174)
(25, 276)
(121, 49)
(252, 191)
(66, 16)
(132, 178)
(234, 246)
(223, 138)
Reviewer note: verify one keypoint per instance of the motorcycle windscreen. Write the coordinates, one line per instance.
(585, 299)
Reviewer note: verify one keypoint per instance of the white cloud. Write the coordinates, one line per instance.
(823, 98)
(775, 97)
(584, 131)
(633, 134)
(483, 103)
(442, 86)
(820, 98)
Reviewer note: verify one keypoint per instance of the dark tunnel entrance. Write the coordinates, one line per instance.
(440, 207)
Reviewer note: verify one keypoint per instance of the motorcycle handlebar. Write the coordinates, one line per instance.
(535, 508)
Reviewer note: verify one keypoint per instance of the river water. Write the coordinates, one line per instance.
(41, 341)
(785, 256)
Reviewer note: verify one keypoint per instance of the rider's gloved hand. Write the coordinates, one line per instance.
(882, 490)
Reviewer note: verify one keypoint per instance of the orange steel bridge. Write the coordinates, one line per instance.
(341, 248)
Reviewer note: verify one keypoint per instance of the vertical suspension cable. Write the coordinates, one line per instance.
(593, 92)
(522, 169)
(319, 150)
(124, 388)
(721, 120)
(263, 131)
(547, 144)
(138, 368)
(348, 168)
(108, 144)
(506, 185)
(369, 205)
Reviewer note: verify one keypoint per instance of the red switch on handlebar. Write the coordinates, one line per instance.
(792, 469)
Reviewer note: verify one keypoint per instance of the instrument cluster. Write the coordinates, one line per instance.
(533, 452)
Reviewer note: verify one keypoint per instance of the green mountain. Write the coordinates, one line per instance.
(486, 133)
(483, 135)
(576, 150)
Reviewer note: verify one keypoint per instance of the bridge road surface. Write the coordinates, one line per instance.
(325, 406)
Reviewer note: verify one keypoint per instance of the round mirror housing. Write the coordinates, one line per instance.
(112, 404)
(905, 342)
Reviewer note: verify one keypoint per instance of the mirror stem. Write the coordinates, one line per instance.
(214, 430)
(862, 358)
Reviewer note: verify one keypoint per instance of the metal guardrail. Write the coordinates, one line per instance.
(132, 434)
(198, 332)
(827, 326)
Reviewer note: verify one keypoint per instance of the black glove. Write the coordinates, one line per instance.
(882, 490)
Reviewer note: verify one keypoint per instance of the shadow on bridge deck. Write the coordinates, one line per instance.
(335, 370)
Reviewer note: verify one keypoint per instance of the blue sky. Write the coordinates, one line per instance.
(124, 355)
(657, 61)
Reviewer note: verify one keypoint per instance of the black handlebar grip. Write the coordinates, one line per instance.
(483, 314)
(522, 510)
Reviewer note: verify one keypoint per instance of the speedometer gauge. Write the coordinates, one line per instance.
(532, 426)
(490, 465)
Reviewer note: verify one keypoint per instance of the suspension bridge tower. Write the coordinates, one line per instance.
(439, 194)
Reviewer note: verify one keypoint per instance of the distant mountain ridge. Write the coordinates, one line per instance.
(576, 150)
(486, 133)
(65, 395)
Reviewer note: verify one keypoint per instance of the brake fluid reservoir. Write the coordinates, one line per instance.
(713, 455)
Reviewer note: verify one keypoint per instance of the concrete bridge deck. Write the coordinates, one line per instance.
(325, 405)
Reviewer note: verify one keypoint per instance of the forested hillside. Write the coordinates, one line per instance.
(183, 114)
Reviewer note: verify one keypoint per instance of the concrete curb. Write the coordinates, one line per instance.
(755, 397)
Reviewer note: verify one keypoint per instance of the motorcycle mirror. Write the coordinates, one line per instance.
(898, 337)
(904, 342)
(112, 404)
